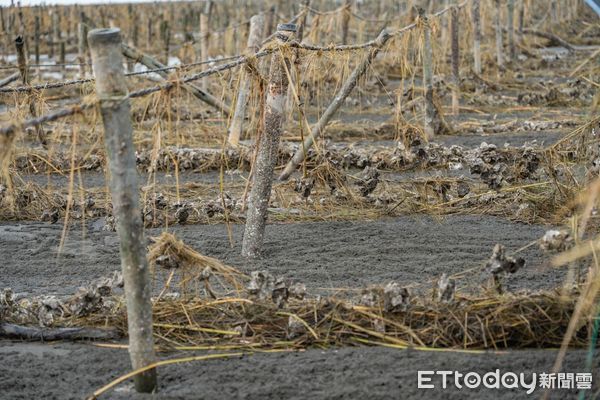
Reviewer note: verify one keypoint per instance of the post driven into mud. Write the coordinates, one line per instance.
(268, 146)
(107, 63)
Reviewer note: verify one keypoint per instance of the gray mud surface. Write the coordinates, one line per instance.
(410, 249)
(407, 249)
(73, 371)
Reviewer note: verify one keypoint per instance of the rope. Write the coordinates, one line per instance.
(53, 85)
(11, 128)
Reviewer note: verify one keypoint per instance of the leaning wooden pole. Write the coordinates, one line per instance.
(455, 61)
(151, 63)
(476, 15)
(335, 105)
(268, 147)
(237, 121)
(107, 63)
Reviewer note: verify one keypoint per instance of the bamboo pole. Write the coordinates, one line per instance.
(476, 15)
(237, 121)
(335, 105)
(499, 41)
(455, 58)
(268, 147)
(107, 61)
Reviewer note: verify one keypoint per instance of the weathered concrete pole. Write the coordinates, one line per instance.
(476, 14)
(107, 63)
(455, 58)
(268, 146)
(335, 105)
(499, 40)
(510, 27)
(254, 38)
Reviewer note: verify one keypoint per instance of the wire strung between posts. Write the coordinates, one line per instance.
(11, 128)
(317, 12)
(65, 112)
(3, 67)
(53, 85)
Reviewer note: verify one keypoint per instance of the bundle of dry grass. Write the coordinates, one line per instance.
(486, 322)
(171, 253)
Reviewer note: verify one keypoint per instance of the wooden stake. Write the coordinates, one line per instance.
(271, 17)
(204, 37)
(107, 61)
(268, 147)
(499, 41)
(335, 105)
(345, 20)
(236, 129)
(36, 39)
(510, 26)
(151, 63)
(433, 122)
(521, 20)
(455, 61)
(149, 36)
(63, 58)
(165, 34)
(476, 14)
(22, 60)
(81, 40)
(55, 31)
